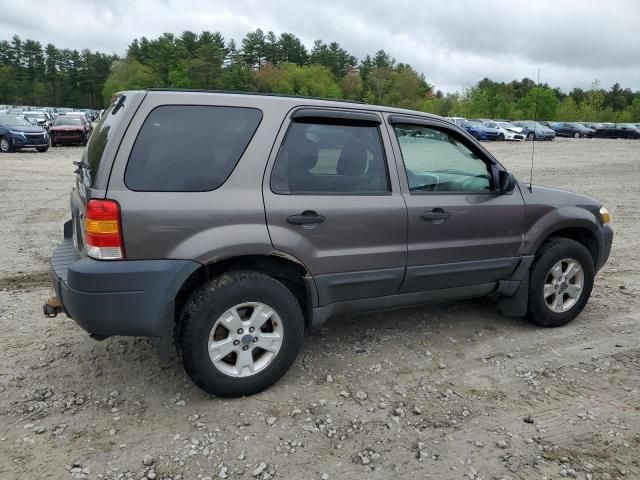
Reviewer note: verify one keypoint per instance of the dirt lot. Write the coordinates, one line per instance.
(449, 391)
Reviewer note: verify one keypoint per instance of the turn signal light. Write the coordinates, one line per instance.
(103, 230)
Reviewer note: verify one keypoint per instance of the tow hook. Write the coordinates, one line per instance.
(52, 308)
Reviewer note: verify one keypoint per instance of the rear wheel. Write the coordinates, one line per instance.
(239, 333)
(530, 136)
(560, 282)
(5, 145)
(577, 135)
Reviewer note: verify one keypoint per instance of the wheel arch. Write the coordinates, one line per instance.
(580, 234)
(279, 265)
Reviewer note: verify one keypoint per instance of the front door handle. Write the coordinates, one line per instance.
(437, 215)
(306, 217)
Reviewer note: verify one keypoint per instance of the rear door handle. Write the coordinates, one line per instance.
(306, 217)
(436, 215)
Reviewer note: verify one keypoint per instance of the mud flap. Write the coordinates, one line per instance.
(516, 305)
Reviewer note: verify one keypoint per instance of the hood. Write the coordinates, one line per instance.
(556, 198)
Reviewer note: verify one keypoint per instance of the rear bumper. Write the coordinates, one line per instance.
(128, 297)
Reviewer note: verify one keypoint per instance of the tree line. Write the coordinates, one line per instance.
(265, 62)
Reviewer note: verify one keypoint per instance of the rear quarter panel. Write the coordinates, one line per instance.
(203, 226)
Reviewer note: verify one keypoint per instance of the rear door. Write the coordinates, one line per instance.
(333, 201)
(461, 231)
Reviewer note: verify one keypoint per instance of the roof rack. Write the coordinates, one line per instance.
(261, 94)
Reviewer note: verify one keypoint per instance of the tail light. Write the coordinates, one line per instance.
(103, 230)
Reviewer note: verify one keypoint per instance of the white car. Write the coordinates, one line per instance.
(457, 120)
(507, 131)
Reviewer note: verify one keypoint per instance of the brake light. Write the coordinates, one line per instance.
(103, 230)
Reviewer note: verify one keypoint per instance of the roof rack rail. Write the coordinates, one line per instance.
(261, 94)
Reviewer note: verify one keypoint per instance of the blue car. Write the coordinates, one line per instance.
(480, 131)
(17, 133)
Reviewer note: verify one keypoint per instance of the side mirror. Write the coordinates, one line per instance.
(506, 182)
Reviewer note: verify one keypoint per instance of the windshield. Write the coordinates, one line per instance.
(506, 125)
(67, 121)
(11, 121)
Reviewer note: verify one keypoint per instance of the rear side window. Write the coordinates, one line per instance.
(328, 158)
(189, 148)
(98, 139)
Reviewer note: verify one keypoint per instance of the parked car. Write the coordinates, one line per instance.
(457, 120)
(618, 130)
(17, 133)
(506, 130)
(573, 129)
(68, 129)
(480, 131)
(184, 229)
(534, 130)
(85, 118)
(38, 117)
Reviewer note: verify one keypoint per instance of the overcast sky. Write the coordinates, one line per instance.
(454, 43)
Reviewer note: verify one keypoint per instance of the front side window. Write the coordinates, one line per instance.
(189, 148)
(435, 161)
(327, 158)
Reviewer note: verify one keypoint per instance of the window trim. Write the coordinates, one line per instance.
(306, 115)
(142, 124)
(340, 121)
(457, 133)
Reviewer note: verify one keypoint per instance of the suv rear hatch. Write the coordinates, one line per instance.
(93, 170)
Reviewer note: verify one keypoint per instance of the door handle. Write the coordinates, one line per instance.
(436, 215)
(306, 217)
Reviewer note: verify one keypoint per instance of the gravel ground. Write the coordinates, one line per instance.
(449, 391)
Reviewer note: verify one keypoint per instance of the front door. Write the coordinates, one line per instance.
(331, 203)
(462, 232)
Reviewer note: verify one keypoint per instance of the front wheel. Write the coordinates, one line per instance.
(5, 145)
(560, 282)
(530, 136)
(576, 135)
(501, 137)
(239, 333)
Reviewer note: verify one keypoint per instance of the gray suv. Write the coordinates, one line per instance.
(227, 224)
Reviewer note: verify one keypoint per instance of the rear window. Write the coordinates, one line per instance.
(189, 148)
(98, 139)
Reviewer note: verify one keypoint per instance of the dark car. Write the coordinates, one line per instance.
(618, 130)
(227, 224)
(67, 129)
(480, 131)
(535, 130)
(17, 133)
(573, 129)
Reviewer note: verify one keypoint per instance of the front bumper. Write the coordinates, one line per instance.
(606, 240)
(126, 297)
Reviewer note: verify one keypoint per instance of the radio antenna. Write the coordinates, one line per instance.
(533, 141)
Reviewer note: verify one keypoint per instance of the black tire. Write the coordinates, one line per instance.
(501, 137)
(5, 145)
(204, 308)
(530, 136)
(42, 149)
(576, 135)
(552, 251)
(84, 140)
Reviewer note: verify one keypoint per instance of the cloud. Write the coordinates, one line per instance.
(454, 44)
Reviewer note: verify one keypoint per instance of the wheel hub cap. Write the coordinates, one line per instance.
(245, 339)
(563, 285)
